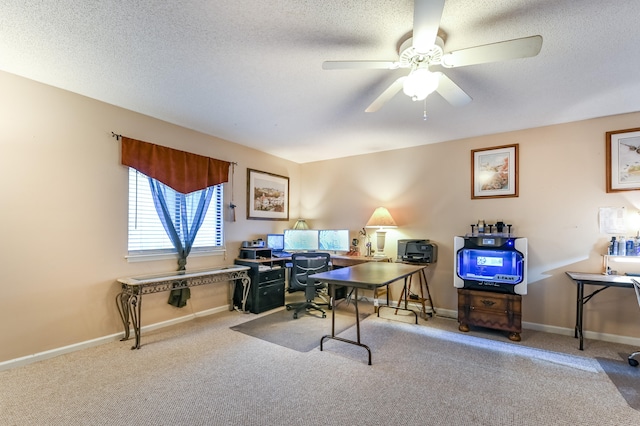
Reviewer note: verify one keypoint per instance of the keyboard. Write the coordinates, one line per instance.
(280, 254)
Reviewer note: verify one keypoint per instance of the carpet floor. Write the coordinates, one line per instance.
(302, 334)
(202, 372)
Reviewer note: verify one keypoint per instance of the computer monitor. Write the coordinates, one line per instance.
(275, 242)
(300, 239)
(334, 239)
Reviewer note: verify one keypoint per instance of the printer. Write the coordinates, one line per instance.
(418, 251)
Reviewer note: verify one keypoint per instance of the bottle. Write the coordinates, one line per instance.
(630, 250)
(622, 246)
(481, 227)
(614, 246)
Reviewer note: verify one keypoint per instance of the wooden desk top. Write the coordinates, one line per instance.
(369, 275)
(344, 260)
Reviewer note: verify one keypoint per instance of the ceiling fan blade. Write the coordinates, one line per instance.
(426, 21)
(357, 65)
(451, 92)
(389, 93)
(501, 51)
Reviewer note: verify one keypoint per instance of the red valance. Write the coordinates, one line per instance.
(182, 171)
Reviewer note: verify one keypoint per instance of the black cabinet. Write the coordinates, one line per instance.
(255, 253)
(267, 284)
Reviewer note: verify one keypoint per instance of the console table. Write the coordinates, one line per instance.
(129, 300)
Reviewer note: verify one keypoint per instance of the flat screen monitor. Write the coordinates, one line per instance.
(300, 239)
(334, 239)
(275, 242)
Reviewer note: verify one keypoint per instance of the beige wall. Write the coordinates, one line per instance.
(427, 190)
(64, 216)
(64, 209)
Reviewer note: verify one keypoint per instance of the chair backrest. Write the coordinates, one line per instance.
(636, 287)
(305, 264)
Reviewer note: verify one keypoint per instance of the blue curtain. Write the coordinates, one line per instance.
(181, 215)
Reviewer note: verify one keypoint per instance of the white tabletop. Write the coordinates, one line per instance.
(602, 279)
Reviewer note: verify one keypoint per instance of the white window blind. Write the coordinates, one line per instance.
(146, 233)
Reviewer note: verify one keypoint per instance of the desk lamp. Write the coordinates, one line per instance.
(382, 220)
(301, 224)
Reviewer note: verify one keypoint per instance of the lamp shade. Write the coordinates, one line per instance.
(301, 224)
(381, 218)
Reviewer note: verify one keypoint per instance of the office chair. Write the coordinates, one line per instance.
(632, 361)
(303, 265)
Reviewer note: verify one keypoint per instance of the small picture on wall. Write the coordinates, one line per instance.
(623, 160)
(267, 196)
(494, 172)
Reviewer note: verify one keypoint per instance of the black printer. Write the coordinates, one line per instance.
(418, 251)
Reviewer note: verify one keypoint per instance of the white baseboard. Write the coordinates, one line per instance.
(444, 313)
(613, 338)
(606, 337)
(593, 335)
(41, 356)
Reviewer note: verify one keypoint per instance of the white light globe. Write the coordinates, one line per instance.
(420, 83)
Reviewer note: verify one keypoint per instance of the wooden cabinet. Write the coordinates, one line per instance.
(267, 284)
(491, 310)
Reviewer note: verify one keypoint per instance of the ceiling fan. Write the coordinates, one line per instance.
(425, 50)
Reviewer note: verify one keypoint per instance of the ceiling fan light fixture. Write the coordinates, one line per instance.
(420, 83)
(417, 53)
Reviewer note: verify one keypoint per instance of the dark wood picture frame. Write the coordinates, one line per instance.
(267, 196)
(623, 160)
(494, 172)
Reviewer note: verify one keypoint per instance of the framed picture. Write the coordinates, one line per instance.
(623, 160)
(494, 172)
(267, 196)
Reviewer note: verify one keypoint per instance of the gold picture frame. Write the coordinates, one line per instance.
(494, 172)
(623, 160)
(267, 196)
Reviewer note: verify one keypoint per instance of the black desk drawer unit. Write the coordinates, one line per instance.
(267, 284)
(272, 275)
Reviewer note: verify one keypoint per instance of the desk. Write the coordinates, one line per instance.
(406, 293)
(129, 300)
(593, 279)
(368, 276)
(343, 260)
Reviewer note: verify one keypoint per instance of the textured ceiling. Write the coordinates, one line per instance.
(250, 71)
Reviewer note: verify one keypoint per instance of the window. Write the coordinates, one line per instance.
(146, 233)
